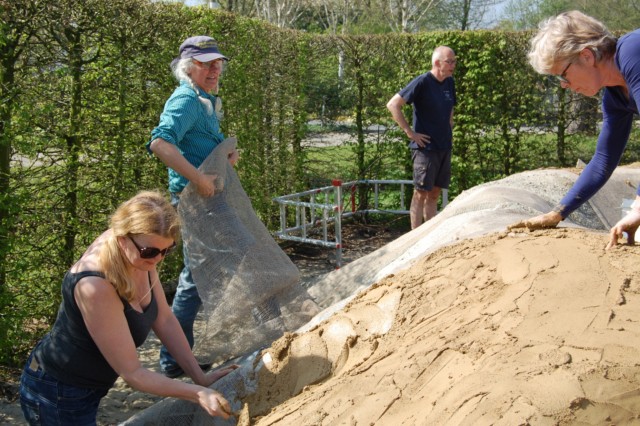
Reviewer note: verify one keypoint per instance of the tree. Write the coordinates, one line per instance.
(616, 14)
(120, 76)
(72, 38)
(527, 14)
(281, 13)
(19, 19)
(460, 14)
(336, 16)
(406, 16)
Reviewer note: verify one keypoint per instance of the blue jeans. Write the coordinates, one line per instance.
(47, 401)
(185, 305)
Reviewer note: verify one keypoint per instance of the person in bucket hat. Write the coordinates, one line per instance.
(200, 48)
(188, 131)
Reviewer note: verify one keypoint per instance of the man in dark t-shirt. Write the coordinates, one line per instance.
(433, 96)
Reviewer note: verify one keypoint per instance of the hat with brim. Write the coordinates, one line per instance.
(200, 48)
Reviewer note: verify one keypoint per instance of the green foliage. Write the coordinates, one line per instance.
(81, 105)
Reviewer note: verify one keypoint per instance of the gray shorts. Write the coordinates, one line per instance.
(430, 169)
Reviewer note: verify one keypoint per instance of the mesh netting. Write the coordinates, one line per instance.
(249, 287)
(176, 412)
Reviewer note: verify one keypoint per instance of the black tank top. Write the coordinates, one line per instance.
(68, 352)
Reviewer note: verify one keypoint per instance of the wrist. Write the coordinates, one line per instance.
(556, 216)
(559, 210)
(201, 381)
(201, 178)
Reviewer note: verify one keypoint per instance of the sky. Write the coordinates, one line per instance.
(495, 14)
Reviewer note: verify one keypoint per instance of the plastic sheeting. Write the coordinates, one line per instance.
(481, 210)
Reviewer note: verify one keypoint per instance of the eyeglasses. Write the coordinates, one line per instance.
(563, 77)
(208, 65)
(451, 61)
(152, 252)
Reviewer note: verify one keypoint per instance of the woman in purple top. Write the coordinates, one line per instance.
(585, 57)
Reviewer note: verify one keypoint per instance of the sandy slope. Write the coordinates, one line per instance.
(504, 329)
(508, 329)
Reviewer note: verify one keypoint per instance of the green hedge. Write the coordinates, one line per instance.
(83, 84)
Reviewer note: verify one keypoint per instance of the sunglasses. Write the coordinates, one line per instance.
(152, 252)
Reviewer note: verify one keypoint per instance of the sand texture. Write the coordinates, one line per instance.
(536, 328)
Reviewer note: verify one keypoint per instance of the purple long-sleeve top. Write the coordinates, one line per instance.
(618, 111)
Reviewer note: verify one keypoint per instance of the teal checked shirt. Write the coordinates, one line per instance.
(185, 123)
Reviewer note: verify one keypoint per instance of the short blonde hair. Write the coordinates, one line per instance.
(563, 37)
(147, 213)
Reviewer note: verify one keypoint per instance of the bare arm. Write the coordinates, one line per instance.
(395, 107)
(102, 312)
(543, 221)
(168, 330)
(171, 157)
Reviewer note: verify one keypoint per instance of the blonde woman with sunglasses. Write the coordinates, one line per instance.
(111, 300)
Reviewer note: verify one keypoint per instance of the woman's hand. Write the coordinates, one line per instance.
(215, 375)
(214, 403)
(628, 224)
(544, 221)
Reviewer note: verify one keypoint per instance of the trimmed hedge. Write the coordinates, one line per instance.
(83, 84)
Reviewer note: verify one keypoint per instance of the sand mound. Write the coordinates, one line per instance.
(519, 328)
(453, 323)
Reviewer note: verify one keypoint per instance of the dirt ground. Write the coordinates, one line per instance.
(358, 239)
(122, 402)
